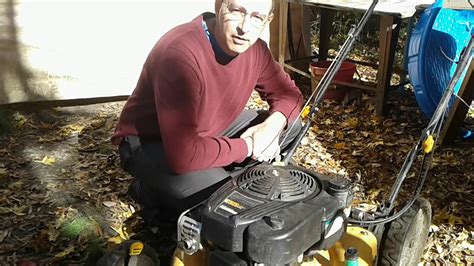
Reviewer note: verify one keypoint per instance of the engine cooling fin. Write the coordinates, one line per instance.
(278, 183)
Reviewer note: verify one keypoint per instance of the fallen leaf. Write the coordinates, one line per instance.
(121, 233)
(65, 252)
(5, 210)
(111, 172)
(117, 240)
(375, 120)
(374, 193)
(468, 246)
(439, 248)
(19, 210)
(3, 234)
(109, 204)
(76, 128)
(350, 123)
(340, 135)
(434, 228)
(3, 172)
(19, 119)
(375, 144)
(340, 145)
(48, 160)
(453, 219)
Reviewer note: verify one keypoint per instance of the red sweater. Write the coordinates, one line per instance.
(187, 99)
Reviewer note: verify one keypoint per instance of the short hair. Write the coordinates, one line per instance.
(271, 10)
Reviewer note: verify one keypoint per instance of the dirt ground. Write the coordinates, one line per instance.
(63, 195)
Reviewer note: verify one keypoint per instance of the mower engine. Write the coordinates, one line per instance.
(269, 215)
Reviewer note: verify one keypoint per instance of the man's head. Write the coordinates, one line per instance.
(239, 23)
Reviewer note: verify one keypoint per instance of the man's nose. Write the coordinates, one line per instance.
(245, 24)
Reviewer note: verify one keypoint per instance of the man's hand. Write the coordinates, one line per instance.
(270, 153)
(265, 137)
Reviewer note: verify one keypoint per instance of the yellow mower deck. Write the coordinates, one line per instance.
(363, 240)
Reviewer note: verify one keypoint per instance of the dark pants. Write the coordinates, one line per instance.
(160, 188)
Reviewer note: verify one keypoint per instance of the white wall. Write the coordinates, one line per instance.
(84, 49)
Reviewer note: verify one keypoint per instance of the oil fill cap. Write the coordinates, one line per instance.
(338, 184)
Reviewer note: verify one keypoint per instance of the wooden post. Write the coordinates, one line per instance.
(282, 37)
(325, 32)
(389, 30)
(458, 111)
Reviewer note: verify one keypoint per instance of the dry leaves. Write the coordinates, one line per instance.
(58, 202)
(62, 189)
(371, 151)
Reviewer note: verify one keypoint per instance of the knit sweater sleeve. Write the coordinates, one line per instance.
(275, 86)
(178, 86)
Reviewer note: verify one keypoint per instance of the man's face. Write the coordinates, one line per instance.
(239, 23)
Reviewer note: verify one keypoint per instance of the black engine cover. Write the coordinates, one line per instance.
(271, 214)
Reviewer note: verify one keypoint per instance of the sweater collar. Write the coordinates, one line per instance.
(221, 56)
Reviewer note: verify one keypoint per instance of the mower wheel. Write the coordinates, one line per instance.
(405, 238)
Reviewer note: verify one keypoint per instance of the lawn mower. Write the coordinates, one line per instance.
(281, 214)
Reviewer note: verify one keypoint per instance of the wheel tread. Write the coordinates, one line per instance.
(392, 242)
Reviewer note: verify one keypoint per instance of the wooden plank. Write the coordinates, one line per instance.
(459, 110)
(33, 105)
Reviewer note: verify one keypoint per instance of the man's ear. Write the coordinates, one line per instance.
(270, 17)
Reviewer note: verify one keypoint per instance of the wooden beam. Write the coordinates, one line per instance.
(63, 103)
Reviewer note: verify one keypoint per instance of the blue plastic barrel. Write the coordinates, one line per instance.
(434, 48)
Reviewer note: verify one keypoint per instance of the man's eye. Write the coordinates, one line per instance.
(259, 17)
(237, 11)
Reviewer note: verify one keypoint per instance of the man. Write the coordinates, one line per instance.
(184, 129)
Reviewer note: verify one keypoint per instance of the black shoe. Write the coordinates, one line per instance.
(152, 215)
(135, 192)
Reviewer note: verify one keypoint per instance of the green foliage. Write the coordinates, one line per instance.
(80, 226)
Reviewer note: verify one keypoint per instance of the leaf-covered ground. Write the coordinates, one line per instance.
(63, 195)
